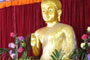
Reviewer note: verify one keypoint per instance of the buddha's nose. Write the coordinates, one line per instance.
(46, 12)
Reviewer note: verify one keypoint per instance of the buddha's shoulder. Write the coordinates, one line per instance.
(43, 29)
(58, 26)
(64, 26)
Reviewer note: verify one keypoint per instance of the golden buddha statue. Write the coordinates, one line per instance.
(55, 35)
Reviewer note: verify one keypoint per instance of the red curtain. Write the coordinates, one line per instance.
(25, 19)
(77, 14)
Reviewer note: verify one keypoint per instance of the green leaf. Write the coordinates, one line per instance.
(1, 56)
(60, 52)
(31, 58)
(85, 57)
(74, 55)
(6, 51)
(60, 58)
(24, 54)
(1, 51)
(53, 57)
(82, 55)
(85, 40)
(36, 57)
(9, 58)
(57, 53)
(54, 54)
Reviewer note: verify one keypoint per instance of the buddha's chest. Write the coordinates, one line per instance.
(51, 36)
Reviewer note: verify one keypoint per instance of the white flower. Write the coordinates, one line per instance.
(13, 55)
(12, 45)
(88, 29)
(83, 45)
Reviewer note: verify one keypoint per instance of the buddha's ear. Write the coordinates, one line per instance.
(59, 14)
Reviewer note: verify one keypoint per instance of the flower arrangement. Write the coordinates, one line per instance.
(16, 47)
(83, 53)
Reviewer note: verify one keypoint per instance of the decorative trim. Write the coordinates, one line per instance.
(18, 2)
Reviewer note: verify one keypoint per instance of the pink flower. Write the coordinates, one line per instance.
(12, 34)
(10, 52)
(20, 50)
(84, 36)
(88, 56)
(21, 38)
(89, 44)
(11, 45)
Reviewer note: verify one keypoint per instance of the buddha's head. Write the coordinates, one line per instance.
(51, 10)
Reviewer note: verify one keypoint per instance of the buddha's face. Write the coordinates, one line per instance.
(49, 12)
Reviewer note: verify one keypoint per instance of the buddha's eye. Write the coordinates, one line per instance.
(50, 10)
(43, 11)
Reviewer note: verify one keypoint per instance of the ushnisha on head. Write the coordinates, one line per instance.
(51, 10)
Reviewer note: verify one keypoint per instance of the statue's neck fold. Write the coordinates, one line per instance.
(51, 24)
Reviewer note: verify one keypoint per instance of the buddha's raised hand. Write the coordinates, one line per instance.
(33, 40)
(35, 43)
